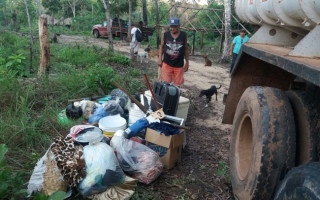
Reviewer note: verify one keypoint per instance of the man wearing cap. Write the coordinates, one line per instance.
(173, 51)
(236, 46)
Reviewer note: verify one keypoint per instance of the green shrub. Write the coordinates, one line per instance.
(118, 59)
(11, 44)
(13, 66)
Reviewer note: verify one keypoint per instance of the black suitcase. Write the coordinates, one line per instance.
(167, 97)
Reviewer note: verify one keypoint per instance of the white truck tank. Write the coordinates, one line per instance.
(303, 14)
(289, 23)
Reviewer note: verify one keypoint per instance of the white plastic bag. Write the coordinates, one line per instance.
(136, 159)
(102, 167)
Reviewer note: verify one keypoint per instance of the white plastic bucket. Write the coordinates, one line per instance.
(111, 124)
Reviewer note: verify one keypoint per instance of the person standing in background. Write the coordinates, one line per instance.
(173, 51)
(236, 46)
(135, 43)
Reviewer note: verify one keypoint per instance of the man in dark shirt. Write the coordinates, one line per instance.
(173, 51)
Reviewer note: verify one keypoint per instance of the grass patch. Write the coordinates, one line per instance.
(11, 44)
(29, 108)
(76, 55)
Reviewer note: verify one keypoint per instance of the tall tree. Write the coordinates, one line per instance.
(144, 12)
(29, 22)
(4, 13)
(13, 17)
(157, 21)
(39, 7)
(130, 20)
(228, 32)
(106, 6)
(72, 4)
(30, 32)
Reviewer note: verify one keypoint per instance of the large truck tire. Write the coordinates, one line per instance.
(308, 132)
(263, 143)
(301, 183)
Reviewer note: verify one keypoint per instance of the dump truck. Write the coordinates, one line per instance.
(273, 102)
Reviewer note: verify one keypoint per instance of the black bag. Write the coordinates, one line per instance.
(167, 97)
(139, 35)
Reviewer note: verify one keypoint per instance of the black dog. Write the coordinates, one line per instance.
(209, 93)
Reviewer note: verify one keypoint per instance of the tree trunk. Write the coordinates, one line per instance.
(5, 15)
(145, 12)
(119, 24)
(13, 17)
(228, 32)
(44, 60)
(62, 17)
(39, 7)
(73, 7)
(14, 21)
(130, 20)
(29, 23)
(91, 10)
(107, 8)
(157, 22)
(52, 21)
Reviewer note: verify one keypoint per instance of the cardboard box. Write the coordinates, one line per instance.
(169, 148)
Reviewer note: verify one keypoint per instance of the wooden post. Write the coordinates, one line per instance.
(194, 41)
(202, 35)
(44, 60)
(221, 36)
(221, 43)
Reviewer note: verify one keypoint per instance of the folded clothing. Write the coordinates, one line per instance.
(164, 128)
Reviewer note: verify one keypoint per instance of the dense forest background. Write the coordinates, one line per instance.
(78, 16)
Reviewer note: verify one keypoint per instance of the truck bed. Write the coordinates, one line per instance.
(306, 68)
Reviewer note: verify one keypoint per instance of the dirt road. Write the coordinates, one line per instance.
(203, 172)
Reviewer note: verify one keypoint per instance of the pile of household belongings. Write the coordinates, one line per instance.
(103, 158)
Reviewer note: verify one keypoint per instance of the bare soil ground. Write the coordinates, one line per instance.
(204, 171)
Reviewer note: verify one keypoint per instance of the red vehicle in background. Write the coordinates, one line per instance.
(101, 30)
